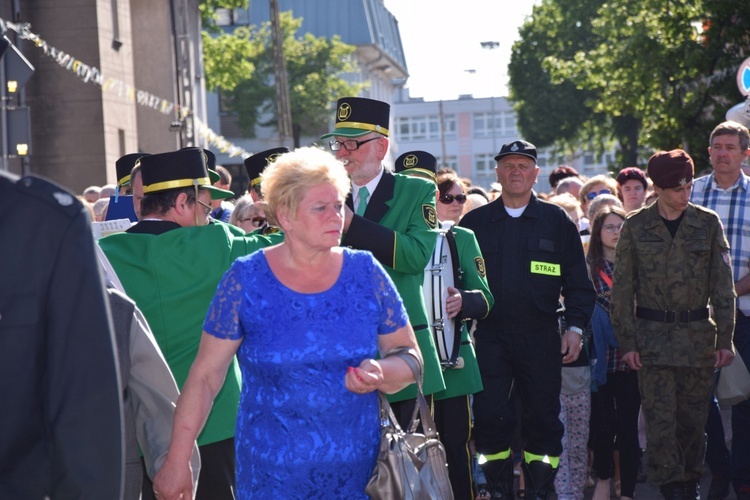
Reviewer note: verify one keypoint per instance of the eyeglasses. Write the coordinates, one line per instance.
(594, 194)
(612, 228)
(349, 145)
(448, 199)
(206, 208)
(255, 221)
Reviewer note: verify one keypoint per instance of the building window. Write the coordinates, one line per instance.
(241, 17)
(544, 158)
(223, 17)
(488, 124)
(450, 162)
(424, 128)
(484, 163)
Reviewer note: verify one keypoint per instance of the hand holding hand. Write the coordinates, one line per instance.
(174, 481)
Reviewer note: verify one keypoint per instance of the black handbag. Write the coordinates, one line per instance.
(410, 466)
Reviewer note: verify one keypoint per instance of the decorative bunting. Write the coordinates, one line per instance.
(89, 74)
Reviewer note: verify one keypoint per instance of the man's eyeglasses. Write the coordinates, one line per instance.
(612, 228)
(593, 194)
(349, 145)
(448, 199)
(206, 208)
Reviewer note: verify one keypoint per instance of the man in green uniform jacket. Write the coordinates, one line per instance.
(393, 217)
(468, 298)
(672, 262)
(170, 264)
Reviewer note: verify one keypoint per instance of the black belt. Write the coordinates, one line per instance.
(671, 316)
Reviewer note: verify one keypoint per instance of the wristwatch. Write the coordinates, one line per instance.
(575, 329)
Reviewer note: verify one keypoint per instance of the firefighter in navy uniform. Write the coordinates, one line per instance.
(61, 420)
(468, 298)
(533, 255)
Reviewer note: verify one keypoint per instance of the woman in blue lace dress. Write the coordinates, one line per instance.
(305, 319)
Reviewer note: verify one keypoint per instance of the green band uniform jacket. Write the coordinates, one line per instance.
(398, 228)
(172, 277)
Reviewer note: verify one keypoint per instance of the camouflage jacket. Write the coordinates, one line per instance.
(688, 272)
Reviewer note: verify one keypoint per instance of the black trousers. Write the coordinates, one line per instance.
(216, 479)
(453, 422)
(614, 414)
(526, 365)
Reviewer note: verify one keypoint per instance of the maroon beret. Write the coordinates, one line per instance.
(632, 173)
(670, 169)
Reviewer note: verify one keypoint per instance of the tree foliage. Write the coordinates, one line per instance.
(653, 74)
(240, 65)
(551, 114)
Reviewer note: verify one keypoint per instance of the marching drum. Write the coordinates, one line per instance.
(441, 272)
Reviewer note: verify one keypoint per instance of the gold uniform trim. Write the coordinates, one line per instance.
(255, 182)
(363, 126)
(424, 171)
(161, 186)
(124, 180)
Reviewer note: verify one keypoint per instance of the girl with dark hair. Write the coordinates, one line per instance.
(616, 399)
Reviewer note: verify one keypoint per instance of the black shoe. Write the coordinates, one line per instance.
(673, 491)
(719, 488)
(691, 490)
(539, 478)
(499, 476)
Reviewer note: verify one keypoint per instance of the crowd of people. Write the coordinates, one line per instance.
(548, 325)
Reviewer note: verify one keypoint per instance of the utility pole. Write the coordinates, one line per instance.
(283, 107)
(492, 45)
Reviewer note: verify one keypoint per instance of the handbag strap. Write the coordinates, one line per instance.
(421, 408)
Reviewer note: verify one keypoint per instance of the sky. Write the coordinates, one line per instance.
(442, 43)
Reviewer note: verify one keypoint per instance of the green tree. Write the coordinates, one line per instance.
(553, 113)
(240, 65)
(652, 63)
(654, 74)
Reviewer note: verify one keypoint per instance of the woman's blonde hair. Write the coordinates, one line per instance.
(285, 181)
(608, 181)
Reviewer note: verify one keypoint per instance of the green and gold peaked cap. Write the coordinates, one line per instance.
(357, 116)
(178, 169)
(418, 163)
(124, 165)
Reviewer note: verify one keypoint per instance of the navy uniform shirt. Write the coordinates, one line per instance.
(532, 260)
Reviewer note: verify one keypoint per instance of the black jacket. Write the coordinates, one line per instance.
(60, 415)
(531, 261)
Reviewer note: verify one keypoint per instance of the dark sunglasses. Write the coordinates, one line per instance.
(594, 194)
(448, 199)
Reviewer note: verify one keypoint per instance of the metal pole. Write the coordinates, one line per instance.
(283, 107)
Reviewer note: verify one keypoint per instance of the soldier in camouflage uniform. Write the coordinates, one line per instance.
(673, 262)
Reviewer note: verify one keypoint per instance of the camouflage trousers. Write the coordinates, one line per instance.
(675, 404)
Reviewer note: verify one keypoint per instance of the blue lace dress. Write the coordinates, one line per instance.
(300, 433)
